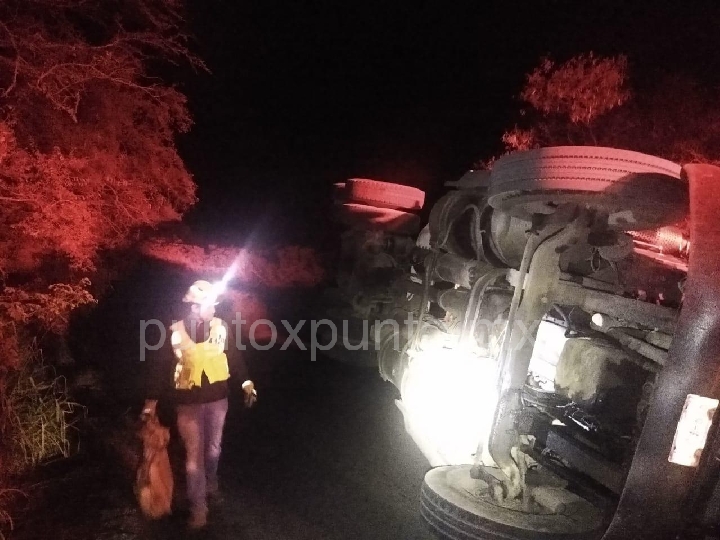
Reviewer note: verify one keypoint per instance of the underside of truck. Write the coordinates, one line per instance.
(553, 334)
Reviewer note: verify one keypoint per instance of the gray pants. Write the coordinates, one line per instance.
(201, 428)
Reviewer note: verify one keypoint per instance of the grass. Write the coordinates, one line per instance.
(37, 421)
(39, 416)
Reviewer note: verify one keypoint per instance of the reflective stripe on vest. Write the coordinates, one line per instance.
(194, 359)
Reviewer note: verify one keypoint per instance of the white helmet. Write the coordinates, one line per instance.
(202, 292)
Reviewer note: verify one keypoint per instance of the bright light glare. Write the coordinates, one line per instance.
(229, 273)
(219, 287)
(449, 394)
(448, 400)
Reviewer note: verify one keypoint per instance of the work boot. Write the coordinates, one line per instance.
(198, 518)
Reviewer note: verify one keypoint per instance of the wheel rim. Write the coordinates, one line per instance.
(459, 507)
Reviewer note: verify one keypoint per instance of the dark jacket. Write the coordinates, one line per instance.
(160, 364)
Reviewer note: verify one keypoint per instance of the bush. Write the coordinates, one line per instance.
(38, 416)
(87, 161)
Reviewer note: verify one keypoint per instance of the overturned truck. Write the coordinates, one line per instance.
(554, 335)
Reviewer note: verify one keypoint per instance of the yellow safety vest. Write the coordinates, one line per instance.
(194, 359)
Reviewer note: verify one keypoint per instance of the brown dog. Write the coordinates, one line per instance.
(154, 480)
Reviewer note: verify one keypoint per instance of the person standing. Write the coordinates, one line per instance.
(202, 371)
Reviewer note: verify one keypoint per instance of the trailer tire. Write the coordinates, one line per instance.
(637, 190)
(384, 194)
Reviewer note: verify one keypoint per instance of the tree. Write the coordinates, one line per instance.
(589, 100)
(87, 151)
(86, 133)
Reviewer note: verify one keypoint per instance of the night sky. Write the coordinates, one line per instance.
(307, 93)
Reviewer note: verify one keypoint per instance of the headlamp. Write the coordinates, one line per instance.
(212, 298)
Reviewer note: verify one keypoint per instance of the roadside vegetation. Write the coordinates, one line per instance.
(589, 100)
(88, 163)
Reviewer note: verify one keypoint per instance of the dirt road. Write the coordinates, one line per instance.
(323, 456)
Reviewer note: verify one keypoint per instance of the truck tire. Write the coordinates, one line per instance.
(637, 190)
(371, 218)
(452, 511)
(384, 194)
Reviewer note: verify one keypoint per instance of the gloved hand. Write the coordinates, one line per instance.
(250, 394)
(149, 409)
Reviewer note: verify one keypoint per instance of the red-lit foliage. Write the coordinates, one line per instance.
(289, 266)
(87, 153)
(86, 134)
(250, 308)
(583, 88)
(590, 100)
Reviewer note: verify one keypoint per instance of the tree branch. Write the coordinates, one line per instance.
(10, 88)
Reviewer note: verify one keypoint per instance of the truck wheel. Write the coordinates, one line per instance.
(384, 194)
(638, 191)
(456, 507)
(371, 218)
